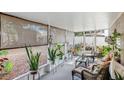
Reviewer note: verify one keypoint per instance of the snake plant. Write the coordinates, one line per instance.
(33, 59)
(52, 52)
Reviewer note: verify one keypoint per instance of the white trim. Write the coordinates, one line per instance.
(119, 15)
(20, 76)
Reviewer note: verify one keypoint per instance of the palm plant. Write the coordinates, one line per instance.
(52, 55)
(33, 59)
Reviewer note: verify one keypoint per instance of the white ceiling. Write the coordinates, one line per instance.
(75, 21)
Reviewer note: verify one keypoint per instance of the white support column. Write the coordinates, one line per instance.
(49, 36)
(84, 42)
(66, 47)
(95, 41)
(74, 41)
(81, 39)
(95, 33)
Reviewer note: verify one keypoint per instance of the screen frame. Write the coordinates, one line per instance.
(27, 21)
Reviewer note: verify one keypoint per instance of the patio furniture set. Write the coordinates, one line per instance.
(86, 68)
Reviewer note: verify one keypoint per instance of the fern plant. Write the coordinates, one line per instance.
(52, 55)
(33, 59)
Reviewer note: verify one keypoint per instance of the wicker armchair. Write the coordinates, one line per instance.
(103, 74)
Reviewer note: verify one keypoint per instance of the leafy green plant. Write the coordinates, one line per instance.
(113, 38)
(118, 76)
(77, 47)
(52, 52)
(79, 33)
(33, 59)
(105, 50)
(60, 53)
(3, 52)
(8, 66)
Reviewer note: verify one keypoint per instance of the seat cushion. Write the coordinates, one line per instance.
(78, 70)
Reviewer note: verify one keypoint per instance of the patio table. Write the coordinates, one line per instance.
(81, 60)
(90, 56)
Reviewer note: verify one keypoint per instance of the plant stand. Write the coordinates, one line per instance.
(61, 63)
(54, 68)
(34, 74)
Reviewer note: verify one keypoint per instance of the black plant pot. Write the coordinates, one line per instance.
(33, 73)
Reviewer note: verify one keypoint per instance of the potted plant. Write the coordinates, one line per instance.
(105, 50)
(52, 52)
(60, 53)
(112, 40)
(77, 49)
(33, 60)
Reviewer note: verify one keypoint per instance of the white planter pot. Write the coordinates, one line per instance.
(52, 66)
(57, 62)
(61, 61)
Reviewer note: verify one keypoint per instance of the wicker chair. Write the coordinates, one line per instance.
(103, 74)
